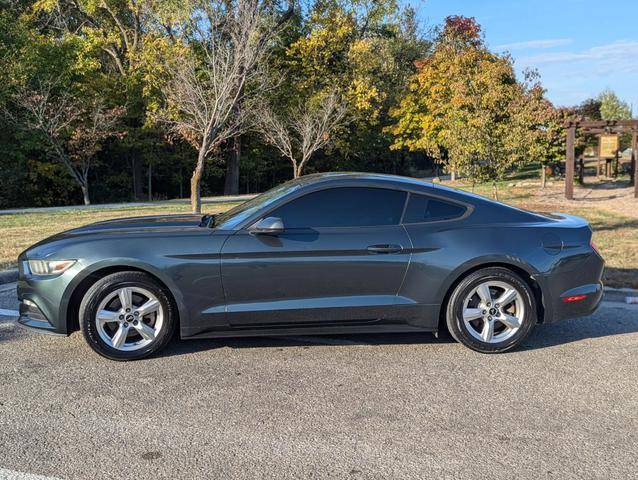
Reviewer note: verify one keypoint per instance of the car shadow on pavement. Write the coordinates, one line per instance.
(568, 331)
(544, 336)
(182, 347)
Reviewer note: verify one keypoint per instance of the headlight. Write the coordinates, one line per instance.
(49, 267)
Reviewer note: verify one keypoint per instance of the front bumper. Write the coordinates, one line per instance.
(33, 318)
(43, 300)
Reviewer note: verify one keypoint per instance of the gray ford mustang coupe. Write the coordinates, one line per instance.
(324, 254)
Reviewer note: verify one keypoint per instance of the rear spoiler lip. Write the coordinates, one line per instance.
(565, 219)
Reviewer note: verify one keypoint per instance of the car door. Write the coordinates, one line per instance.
(341, 258)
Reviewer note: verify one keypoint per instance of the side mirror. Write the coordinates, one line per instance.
(268, 226)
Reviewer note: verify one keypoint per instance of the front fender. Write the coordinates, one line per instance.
(105, 267)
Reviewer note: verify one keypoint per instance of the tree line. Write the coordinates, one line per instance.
(112, 100)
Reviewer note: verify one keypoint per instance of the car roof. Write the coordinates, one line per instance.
(360, 177)
(382, 179)
(317, 180)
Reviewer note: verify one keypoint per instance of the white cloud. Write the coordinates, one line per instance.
(572, 76)
(617, 57)
(548, 43)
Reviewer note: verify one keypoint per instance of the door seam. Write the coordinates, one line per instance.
(221, 274)
(405, 274)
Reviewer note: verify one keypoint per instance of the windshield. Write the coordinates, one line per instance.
(236, 215)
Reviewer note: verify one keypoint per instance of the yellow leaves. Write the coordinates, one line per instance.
(154, 60)
(327, 41)
(468, 101)
(363, 95)
(361, 49)
(45, 6)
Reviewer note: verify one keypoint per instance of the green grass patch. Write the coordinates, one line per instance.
(22, 230)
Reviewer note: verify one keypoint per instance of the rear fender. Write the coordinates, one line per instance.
(457, 275)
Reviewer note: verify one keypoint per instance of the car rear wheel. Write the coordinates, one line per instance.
(492, 310)
(127, 316)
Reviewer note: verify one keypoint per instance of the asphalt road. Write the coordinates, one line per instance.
(393, 406)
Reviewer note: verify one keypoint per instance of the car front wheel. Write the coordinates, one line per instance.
(492, 310)
(127, 316)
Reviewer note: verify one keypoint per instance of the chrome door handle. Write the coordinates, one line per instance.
(386, 248)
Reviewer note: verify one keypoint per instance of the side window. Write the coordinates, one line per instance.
(422, 208)
(343, 207)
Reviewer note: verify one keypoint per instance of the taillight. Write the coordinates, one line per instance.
(574, 298)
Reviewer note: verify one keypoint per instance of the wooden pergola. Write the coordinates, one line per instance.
(598, 127)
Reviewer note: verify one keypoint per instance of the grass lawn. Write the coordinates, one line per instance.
(19, 231)
(611, 212)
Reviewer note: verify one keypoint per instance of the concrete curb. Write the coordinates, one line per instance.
(619, 294)
(8, 276)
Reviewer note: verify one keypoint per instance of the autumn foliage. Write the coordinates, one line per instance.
(466, 107)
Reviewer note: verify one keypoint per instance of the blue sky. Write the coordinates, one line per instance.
(580, 47)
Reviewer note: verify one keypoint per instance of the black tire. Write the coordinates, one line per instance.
(454, 311)
(105, 287)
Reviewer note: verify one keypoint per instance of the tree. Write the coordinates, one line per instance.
(113, 27)
(73, 129)
(302, 131)
(421, 117)
(215, 85)
(590, 109)
(538, 125)
(612, 108)
(466, 108)
(364, 51)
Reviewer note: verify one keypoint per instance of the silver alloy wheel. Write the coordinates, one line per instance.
(493, 311)
(129, 318)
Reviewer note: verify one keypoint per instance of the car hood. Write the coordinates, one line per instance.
(141, 224)
(151, 225)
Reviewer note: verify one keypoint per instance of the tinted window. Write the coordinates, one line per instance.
(238, 214)
(422, 208)
(343, 207)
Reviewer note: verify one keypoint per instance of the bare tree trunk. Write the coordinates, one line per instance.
(231, 182)
(453, 174)
(150, 181)
(494, 191)
(137, 179)
(85, 193)
(543, 176)
(196, 199)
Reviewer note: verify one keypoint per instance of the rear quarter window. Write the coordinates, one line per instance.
(422, 208)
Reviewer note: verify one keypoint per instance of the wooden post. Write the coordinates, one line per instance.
(634, 156)
(569, 163)
(599, 168)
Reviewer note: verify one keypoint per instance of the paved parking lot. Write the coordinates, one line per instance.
(393, 406)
